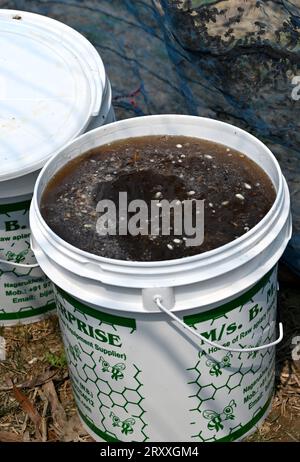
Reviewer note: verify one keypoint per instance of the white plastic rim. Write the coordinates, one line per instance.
(52, 77)
(208, 276)
(20, 185)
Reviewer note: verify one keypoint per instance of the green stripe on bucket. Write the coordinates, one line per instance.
(28, 313)
(104, 436)
(223, 309)
(104, 317)
(7, 208)
(246, 428)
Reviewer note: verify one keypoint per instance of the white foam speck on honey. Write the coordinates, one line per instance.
(177, 241)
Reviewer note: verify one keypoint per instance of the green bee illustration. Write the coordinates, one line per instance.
(116, 370)
(17, 257)
(215, 367)
(75, 352)
(215, 419)
(126, 425)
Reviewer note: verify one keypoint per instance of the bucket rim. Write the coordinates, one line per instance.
(235, 244)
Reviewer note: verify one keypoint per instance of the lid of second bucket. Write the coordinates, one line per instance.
(51, 84)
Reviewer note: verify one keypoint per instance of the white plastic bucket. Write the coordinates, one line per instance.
(137, 374)
(53, 87)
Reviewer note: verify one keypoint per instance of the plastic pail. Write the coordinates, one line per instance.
(138, 371)
(53, 87)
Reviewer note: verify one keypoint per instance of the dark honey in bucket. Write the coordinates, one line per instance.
(237, 194)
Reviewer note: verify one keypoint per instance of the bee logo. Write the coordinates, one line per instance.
(75, 352)
(125, 425)
(216, 368)
(17, 257)
(116, 370)
(216, 420)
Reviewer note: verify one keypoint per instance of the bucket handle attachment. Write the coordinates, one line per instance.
(158, 300)
(21, 265)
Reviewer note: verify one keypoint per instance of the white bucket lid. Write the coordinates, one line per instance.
(51, 84)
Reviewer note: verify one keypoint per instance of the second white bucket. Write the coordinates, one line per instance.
(138, 371)
(53, 87)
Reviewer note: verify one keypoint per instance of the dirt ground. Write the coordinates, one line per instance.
(36, 401)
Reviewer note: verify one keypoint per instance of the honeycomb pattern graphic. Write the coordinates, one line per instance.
(217, 380)
(112, 384)
(206, 396)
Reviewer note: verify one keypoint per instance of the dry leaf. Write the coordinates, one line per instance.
(40, 379)
(29, 409)
(10, 437)
(58, 413)
(73, 430)
(26, 436)
(67, 430)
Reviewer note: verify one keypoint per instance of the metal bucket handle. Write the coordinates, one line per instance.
(21, 265)
(159, 302)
